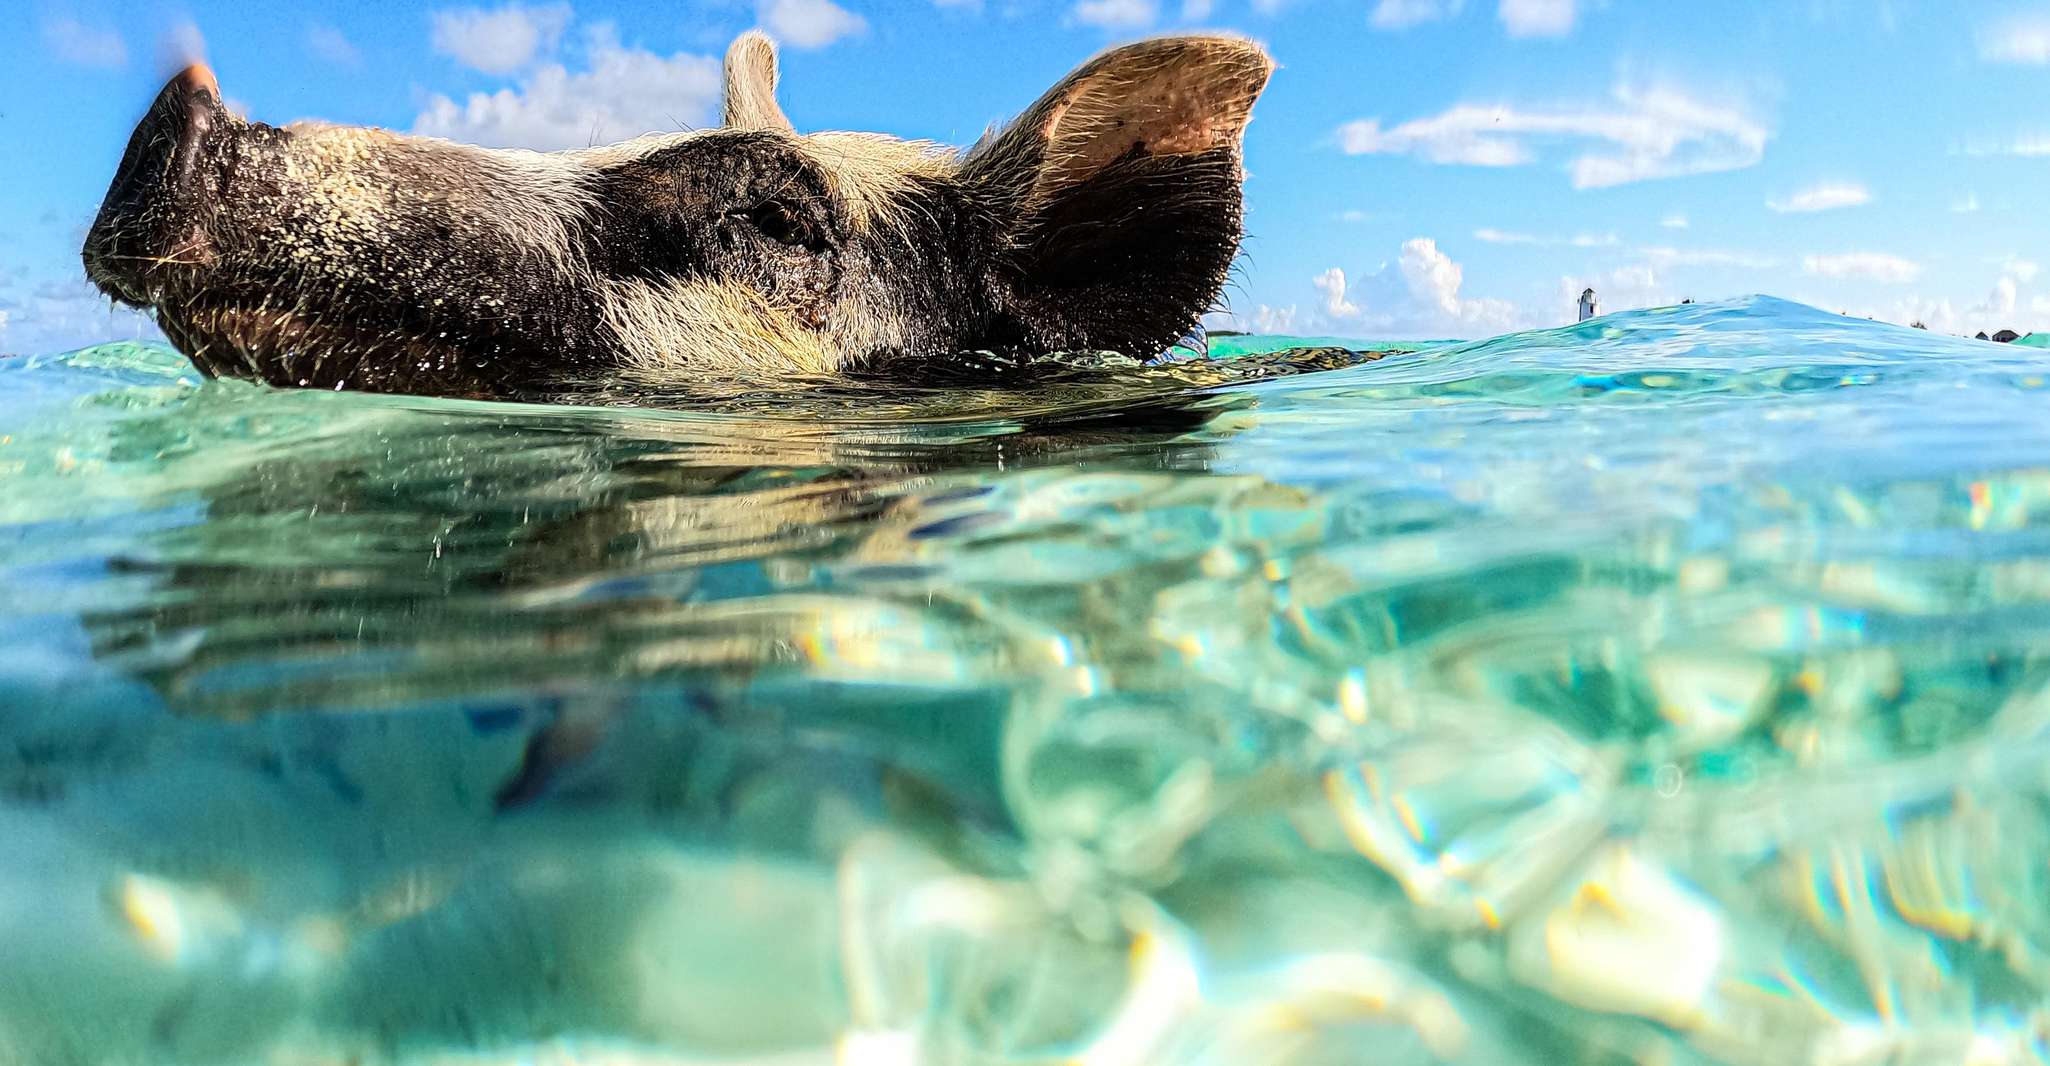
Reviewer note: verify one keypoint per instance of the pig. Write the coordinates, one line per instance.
(1106, 217)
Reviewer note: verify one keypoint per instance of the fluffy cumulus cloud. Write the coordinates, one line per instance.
(1419, 294)
(1332, 284)
(1538, 18)
(1828, 196)
(500, 40)
(2022, 38)
(619, 92)
(1866, 266)
(1939, 315)
(2002, 308)
(1640, 134)
(88, 46)
(1116, 14)
(1402, 14)
(809, 23)
(1432, 281)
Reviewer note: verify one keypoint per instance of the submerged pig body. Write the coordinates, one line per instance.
(1105, 217)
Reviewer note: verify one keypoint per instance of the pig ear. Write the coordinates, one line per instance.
(1172, 96)
(751, 84)
(1119, 193)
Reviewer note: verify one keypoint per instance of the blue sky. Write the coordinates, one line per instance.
(1418, 167)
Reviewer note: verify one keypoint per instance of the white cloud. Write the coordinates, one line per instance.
(1274, 319)
(2001, 301)
(1402, 14)
(622, 92)
(1664, 257)
(1332, 284)
(1198, 10)
(88, 46)
(1638, 135)
(1578, 240)
(1538, 18)
(2022, 269)
(1966, 206)
(809, 23)
(499, 41)
(1495, 236)
(330, 44)
(1434, 281)
(1871, 266)
(1828, 196)
(1674, 222)
(1117, 14)
(1625, 289)
(1998, 311)
(1939, 315)
(2032, 145)
(2021, 39)
(1354, 214)
(1420, 294)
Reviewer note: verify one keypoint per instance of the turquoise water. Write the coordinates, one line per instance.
(1666, 689)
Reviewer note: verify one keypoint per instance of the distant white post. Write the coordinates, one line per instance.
(1588, 306)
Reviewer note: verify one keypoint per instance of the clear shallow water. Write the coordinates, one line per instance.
(1667, 689)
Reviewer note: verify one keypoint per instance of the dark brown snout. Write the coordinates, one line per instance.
(152, 226)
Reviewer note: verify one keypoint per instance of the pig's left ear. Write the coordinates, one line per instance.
(1119, 192)
(751, 84)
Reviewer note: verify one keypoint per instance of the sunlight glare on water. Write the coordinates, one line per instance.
(1669, 688)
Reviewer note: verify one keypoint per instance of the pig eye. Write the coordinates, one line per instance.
(780, 222)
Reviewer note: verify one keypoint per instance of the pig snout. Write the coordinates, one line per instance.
(151, 227)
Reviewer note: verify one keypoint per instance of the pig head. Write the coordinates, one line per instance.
(1104, 218)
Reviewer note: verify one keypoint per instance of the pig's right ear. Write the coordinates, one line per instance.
(1119, 191)
(751, 84)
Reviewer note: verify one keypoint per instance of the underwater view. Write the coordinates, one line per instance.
(1669, 688)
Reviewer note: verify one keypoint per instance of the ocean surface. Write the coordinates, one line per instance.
(1673, 688)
